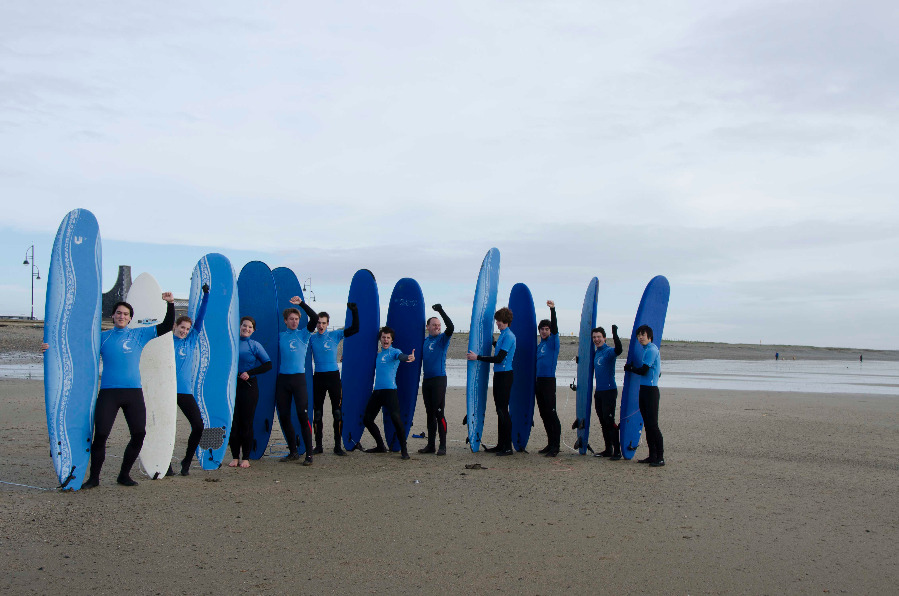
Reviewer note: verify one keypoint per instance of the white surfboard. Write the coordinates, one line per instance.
(157, 374)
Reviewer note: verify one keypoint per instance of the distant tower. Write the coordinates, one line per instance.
(118, 291)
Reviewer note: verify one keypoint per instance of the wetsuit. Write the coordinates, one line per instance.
(605, 395)
(120, 387)
(185, 350)
(253, 360)
(545, 388)
(326, 379)
(385, 395)
(649, 372)
(433, 385)
(291, 384)
(504, 353)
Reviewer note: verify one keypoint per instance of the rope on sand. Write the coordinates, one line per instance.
(25, 485)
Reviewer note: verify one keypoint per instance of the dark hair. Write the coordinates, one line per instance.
(429, 321)
(599, 330)
(645, 329)
(250, 319)
(324, 315)
(291, 311)
(386, 330)
(544, 323)
(182, 319)
(126, 305)
(504, 315)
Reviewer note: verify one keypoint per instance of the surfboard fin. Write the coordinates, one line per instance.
(465, 420)
(577, 444)
(69, 479)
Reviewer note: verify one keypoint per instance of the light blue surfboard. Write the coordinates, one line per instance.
(585, 353)
(406, 316)
(288, 286)
(480, 341)
(359, 353)
(72, 328)
(652, 311)
(215, 367)
(523, 396)
(257, 299)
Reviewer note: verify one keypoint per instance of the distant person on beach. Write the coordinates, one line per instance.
(503, 355)
(120, 387)
(859, 357)
(326, 378)
(252, 360)
(605, 394)
(777, 355)
(649, 370)
(185, 335)
(385, 393)
(290, 387)
(433, 384)
(545, 388)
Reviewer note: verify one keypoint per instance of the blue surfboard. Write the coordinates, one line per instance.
(215, 367)
(72, 328)
(359, 353)
(522, 399)
(652, 311)
(585, 353)
(257, 299)
(406, 316)
(289, 286)
(480, 341)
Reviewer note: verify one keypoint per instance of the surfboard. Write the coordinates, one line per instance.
(522, 398)
(157, 375)
(480, 341)
(258, 299)
(215, 367)
(406, 316)
(359, 353)
(287, 286)
(652, 311)
(585, 353)
(72, 328)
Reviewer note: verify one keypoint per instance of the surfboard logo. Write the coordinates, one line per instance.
(78, 239)
(148, 321)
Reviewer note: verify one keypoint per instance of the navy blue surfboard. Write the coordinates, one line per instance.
(585, 353)
(522, 399)
(359, 353)
(72, 328)
(652, 311)
(406, 316)
(480, 341)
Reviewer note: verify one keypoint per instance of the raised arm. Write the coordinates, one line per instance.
(354, 326)
(201, 312)
(447, 322)
(313, 317)
(617, 340)
(169, 321)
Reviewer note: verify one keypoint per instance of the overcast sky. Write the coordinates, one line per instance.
(746, 150)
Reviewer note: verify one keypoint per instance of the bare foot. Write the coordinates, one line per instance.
(233, 463)
(245, 463)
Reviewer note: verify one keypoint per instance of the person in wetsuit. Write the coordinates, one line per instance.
(504, 353)
(385, 393)
(545, 388)
(605, 391)
(252, 360)
(326, 378)
(649, 370)
(120, 387)
(291, 383)
(433, 384)
(185, 334)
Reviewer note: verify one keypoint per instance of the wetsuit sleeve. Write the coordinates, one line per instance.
(553, 322)
(354, 326)
(265, 362)
(168, 322)
(313, 317)
(201, 313)
(262, 368)
(637, 371)
(617, 340)
(496, 359)
(447, 322)
(403, 357)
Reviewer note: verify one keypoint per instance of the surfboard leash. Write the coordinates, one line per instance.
(26, 485)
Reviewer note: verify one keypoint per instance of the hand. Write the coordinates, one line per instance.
(296, 300)
(438, 307)
(205, 288)
(44, 347)
(411, 357)
(168, 297)
(351, 305)
(243, 376)
(472, 355)
(614, 329)
(550, 304)
(628, 367)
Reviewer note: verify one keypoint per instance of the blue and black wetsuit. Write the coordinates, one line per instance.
(385, 395)
(433, 385)
(649, 371)
(120, 387)
(253, 360)
(291, 384)
(326, 379)
(545, 388)
(605, 395)
(185, 351)
(504, 354)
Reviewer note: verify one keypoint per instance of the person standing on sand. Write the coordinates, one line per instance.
(545, 388)
(385, 393)
(252, 360)
(504, 353)
(120, 387)
(605, 394)
(290, 386)
(433, 384)
(649, 370)
(185, 336)
(326, 378)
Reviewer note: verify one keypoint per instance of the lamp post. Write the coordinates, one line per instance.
(35, 274)
(307, 287)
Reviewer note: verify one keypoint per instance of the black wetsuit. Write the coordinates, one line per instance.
(545, 387)
(290, 388)
(328, 383)
(245, 401)
(433, 385)
(605, 400)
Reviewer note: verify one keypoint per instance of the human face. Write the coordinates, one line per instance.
(246, 329)
(182, 329)
(386, 340)
(434, 326)
(643, 338)
(501, 326)
(121, 317)
(599, 340)
(322, 325)
(544, 332)
(293, 321)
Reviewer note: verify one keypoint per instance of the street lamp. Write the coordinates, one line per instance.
(35, 274)
(307, 287)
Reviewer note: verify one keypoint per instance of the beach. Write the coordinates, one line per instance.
(763, 492)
